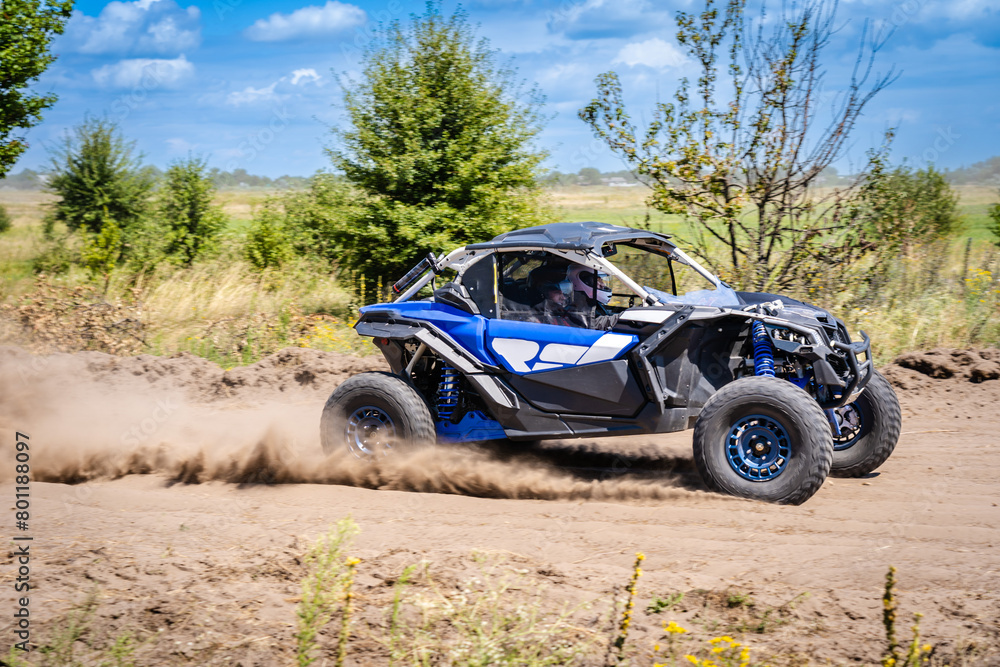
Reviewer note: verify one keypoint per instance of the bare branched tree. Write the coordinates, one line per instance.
(747, 166)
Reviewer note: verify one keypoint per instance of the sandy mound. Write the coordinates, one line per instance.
(293, 373)
(959, 383)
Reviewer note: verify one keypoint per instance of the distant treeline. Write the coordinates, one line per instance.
(28, 179)
(986, 172)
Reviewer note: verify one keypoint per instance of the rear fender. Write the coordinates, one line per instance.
(389, 336)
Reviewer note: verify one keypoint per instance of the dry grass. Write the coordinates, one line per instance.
(225, 311)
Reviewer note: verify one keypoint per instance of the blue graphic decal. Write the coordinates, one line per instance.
(528, 347)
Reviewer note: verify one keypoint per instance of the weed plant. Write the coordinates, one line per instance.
(497, 616)
(73, 643)
(326, 592)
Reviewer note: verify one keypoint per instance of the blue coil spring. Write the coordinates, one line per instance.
(447, 395)
(763, 353)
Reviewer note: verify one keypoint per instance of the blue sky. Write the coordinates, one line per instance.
(250, 84)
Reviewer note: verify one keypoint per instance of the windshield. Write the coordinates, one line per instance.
(670, 275)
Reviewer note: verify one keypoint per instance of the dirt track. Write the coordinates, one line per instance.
(208, 572)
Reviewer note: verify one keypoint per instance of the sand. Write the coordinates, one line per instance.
(185, 497)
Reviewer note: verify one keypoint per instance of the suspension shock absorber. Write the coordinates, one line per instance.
(763, 353)
(447, 395)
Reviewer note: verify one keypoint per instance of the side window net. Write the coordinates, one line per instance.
(535, 287)
(519, 288)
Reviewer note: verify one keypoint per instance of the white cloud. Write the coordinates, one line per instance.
(179, 146)
(251, 95)
(304, 76)
(148, 73)
(604, 19)
(653, 52)
(563, 72)
(311, 21)
(159, 27)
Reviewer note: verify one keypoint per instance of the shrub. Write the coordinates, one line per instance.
(185, 205)
(994, 214)
(317, 218)
(101, 250)
(268, 245)
(911, 207)
(5, 220)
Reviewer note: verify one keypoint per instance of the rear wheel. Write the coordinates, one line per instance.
(373, 413)
(763, 438)
(869, 430)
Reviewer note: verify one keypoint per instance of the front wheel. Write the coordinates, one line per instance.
(869, 430)
(373, 413)
(763, 438)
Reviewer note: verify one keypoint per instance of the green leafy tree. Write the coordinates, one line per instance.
(26, 29)
(440, 146)
(589, 176)
(314, 217)
(97, 177)
(994, 214)
(102, 250)
(268, 245)
(185, 205)
(742, 150)
(911, 206)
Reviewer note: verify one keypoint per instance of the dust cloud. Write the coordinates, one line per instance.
(91, 416)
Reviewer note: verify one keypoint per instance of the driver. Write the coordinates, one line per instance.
(553, 307)
(591, 295)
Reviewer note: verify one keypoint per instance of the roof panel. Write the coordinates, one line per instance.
(568, 235)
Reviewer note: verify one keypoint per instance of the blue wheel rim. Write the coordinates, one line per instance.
(758, 448)
(370, 432)
(852, 422)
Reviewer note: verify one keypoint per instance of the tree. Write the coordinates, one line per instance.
(185, 206)
(589, 176)
(267, 245)
(5, 220)
(744, 165)
(102, 250)
(97, 177)
(994, 214)
(26, 28)
(910, 207)
(314, 216)
(439, 146)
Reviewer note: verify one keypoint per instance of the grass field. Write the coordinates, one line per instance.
(626, 206)
(223, 310)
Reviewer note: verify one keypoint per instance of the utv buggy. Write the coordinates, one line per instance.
(574, 330)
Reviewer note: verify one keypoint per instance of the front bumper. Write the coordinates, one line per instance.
(861, 371)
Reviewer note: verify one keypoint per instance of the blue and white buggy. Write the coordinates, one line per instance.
(574, 330)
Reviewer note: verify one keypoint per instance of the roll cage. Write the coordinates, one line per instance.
(460, 259)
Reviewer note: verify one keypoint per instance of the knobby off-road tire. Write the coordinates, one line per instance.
(779, 417)
(881, 422)
(370, 414)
